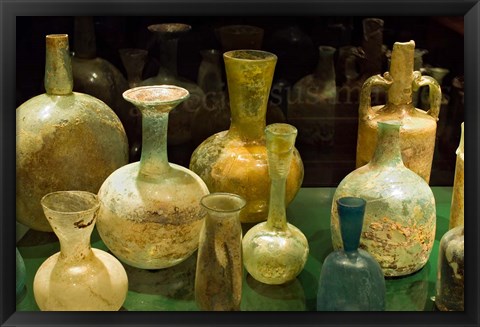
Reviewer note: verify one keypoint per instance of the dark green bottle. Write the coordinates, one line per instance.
(351, 279)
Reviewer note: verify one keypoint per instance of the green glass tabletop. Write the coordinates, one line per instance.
(172, 289)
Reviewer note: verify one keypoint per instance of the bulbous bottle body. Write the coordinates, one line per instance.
(235, 161)
(150, 210)
(151, 224)
(65, 140)
(274, 257)
(400, 217)
(96, 283)
(351, 282)
(78, 278)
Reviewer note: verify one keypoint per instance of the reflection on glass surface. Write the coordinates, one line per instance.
(163, 289)
(257, 296)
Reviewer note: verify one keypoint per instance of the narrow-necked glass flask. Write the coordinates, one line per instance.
(351, 279)
(275, 251)
(149, 213)
(78, 278)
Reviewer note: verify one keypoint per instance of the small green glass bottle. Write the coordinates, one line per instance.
(275, 251)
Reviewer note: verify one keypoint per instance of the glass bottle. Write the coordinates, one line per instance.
(150, 210)
(275, 251)
(351, 279)
(180, 119)
(235, 161)
(65, 140)
(400, 217)
(418, 127)
(258, 296)
(20, 274)
(438, 73)
(218, 279)
(450, 284)
(214, 115)
(370, 61)
(235, 37)
(457, 207)
(134, 61)
(99, 78)
(311, 106)
(78, 278)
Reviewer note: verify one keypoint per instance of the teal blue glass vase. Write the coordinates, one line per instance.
(21, 273)
(351, 279)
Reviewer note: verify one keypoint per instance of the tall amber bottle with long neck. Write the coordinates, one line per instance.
(417, 135)
(235, 161)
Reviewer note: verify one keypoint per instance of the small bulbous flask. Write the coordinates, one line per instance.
(275, 251)
(235, 161)
(78, 278)
(65, 140)
(150, 210)
(218, 279)
(351, 279)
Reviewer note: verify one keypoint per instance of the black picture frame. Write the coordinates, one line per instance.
(10, 9)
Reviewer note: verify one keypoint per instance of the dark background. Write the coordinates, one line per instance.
(441, 36)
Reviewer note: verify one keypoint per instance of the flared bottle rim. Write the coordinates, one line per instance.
(281, 129)
(351, 202)
(169, 28)
(216, 202)
(50, 200)
(156, 95)
(250, 55)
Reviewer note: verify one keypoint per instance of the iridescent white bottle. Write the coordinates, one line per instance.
(78, 278)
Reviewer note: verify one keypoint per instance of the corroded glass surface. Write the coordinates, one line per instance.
(275, 252)
(218, 279)
(150, 210)
(65, 140)
(417, 136)
(78, 278)
(458, 197)
(400, 218)
(235, 161)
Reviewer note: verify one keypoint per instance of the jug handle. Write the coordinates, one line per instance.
(365, 107)
(435, 92)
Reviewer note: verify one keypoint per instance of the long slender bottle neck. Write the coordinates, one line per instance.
(85, 42)
(58, 66)
(277, 213)
(168, 55)
(154, 158)
(401, 71)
